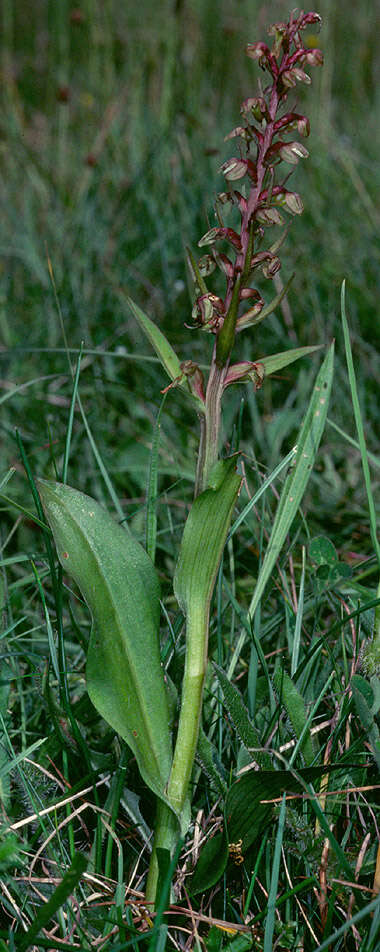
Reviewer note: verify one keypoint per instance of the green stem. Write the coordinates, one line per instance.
(165, 837)
(167, 827)
(191, 706)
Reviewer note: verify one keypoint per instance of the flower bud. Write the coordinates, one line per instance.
(215, 233)
(292, 151)
(303, 126)
(238, 131)
(290, 77)
(256, 105)
(292, 202)
(314, 57)
(257, 51)
(269, 216)
(234, 169)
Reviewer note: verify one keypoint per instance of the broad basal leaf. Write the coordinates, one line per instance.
(119, 583)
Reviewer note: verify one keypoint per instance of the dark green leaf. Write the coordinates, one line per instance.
(211, 863)
(120, 585)
(322, 550)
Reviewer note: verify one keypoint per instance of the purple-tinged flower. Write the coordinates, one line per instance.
(234, 169)
(292, 201)
(215, 233)
(290, 77)
(257, 106)
(257, 51)
(244, 371)
(271, 266)
(269, 216)
(314, 57)
(292, 151)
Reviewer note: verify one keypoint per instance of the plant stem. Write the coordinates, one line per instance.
(210, 426)
(166, 827)
(166, 835)
(191, 706)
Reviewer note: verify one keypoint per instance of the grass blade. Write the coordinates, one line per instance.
(359, 426)
(297, 480)
(269, 924)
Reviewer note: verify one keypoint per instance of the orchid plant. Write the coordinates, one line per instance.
(125, 679)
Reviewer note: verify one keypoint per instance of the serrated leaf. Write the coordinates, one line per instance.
(241, 719)
(207, 757)
(295, 484)
(276, 362)
(118, 581)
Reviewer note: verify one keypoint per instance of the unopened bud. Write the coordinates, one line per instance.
(290, 77)
(234, 169)
(293, 202)
(269, 216)
(314, 57)
(303, 126)
(257, 51)
(292, 151)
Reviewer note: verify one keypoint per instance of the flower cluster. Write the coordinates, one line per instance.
(267, 141)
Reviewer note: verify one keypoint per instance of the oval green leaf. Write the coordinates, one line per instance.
(119, 583)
